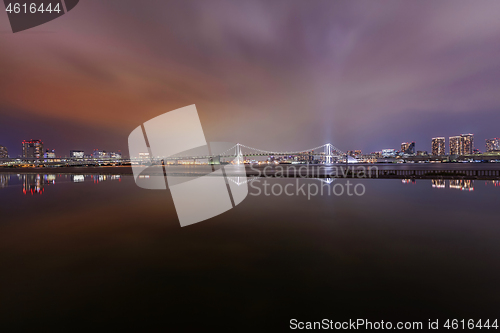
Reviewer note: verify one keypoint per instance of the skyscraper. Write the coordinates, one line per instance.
(33, 149)
(408, 148)
(439, 146)
(467, 144)
(491, 144)
(455, 145)
(4, 153)
(462, 145)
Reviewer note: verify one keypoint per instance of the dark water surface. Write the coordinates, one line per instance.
(76, 254)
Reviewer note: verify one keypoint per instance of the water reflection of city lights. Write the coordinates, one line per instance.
(462, 184)
(49, 179)
(408, 181)
(4, 181)
(438, 183)
(456, 184)
(78, 178)
(35, 183)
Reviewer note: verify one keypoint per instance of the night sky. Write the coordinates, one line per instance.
(284, 75)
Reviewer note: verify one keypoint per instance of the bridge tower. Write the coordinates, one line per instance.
(328, 153)
(239, 156)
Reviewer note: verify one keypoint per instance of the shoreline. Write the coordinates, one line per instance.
(402, 171)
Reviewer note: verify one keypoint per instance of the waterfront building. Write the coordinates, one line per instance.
(386, 153)
(114, 155)
(467, 144)
(50, 153)
(76, 154)
(33, 149)
(408, 148)
(354, 153)
(144, 156)
(455, 145)
(491, 144)
(305, 157)
(439, 146)
(4, 153)
(369, 158)
(422, 153)
(99, 154)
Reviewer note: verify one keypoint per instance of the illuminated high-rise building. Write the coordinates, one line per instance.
(491, 144)
(462, 145)
(439, 146)
(455, 145)
(467, 144)
(4, 153)
(408, 148)
(33, 149)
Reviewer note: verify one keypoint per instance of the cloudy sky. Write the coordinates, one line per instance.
(285, 75)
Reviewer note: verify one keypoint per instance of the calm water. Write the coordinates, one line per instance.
(83, 251)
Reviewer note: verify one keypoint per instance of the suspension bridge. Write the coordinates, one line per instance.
(238, 153)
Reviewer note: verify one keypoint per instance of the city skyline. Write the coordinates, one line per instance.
(463, 144)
